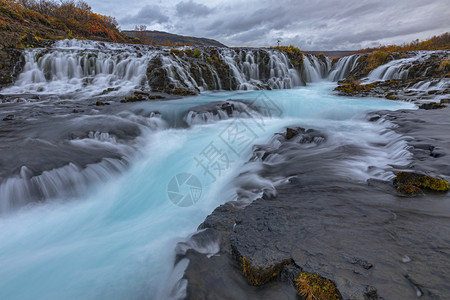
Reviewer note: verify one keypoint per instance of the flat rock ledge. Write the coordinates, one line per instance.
(365, 237)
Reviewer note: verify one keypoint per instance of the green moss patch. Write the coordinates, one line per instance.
(412, 183)
(432, 105)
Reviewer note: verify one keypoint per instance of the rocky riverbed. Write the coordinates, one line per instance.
(371, 240)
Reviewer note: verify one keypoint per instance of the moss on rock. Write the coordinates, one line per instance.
(409, 189)
(432, 105)
(406, 179)
(353, 87)
(100, 103)
(141, 96)
(315, 287)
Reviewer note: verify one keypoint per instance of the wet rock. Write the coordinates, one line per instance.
(374, 117)
(432, 105)
(361, 262)
(109, 90)
(100, 103)
(259, 274)
(409, 190)
(181, 92)
(8, 118)
(218, 110)
(12, 63)
(228, 107)
(371, 293)
(291, 132)
(411, 183)
(141, 96)
(303, 136)
(318, 215)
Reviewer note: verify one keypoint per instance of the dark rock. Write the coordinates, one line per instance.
(291, 132)
(432, 105)
(109, 90)
(12, 62)
(409, 190)
(406, 181)
(8, 118)
(374, 118)
(361, 262)
(371, 293)
(100, 103)
(228, 107)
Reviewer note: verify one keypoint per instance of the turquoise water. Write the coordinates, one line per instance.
(117, 241)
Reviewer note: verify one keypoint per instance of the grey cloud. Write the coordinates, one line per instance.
(311, 25)
(193, 9)
(149, 14)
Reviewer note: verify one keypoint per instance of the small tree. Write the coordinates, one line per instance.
(140, 32)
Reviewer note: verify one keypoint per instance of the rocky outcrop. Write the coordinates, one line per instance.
(411, 183)
(11, 63)
(431, 65)
(186, 71)
(362, 238)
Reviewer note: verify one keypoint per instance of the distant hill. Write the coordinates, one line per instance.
(169, 39)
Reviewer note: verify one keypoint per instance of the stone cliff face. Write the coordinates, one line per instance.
(11, 63)
(180, 71)
(222, 69)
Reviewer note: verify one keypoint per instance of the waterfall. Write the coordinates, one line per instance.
(344, 66)
(234, 69)
(86, 67)
(314, 69)
(400, 68)
(92, 68)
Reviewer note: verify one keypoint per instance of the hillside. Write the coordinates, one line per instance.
(28, 23)
(375, 57)
(169, 39)
(49, 20)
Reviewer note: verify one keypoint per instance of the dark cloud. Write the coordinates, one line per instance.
(190, 8)
(311, 25)
(148, 15)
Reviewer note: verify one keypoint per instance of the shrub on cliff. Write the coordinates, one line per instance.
(52, 20)
(295, 55)
(437, 42)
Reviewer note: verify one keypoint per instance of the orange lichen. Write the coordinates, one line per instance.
(315, 287)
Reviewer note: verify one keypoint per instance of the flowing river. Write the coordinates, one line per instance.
(128, 184)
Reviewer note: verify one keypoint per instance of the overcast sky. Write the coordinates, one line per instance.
(310, 25)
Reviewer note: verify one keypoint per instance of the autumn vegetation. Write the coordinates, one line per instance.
(381, 55)
(46, 19)
(437, 42)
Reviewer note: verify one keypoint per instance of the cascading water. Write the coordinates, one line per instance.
(399, 68)
(83, 67)
(313, 69)
(91, 68)
(343, 67)
(253, 68)
(108, 241)
(112, 235)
